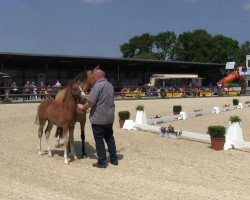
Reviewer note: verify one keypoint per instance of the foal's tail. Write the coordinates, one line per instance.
(37, 116)
(59, 133)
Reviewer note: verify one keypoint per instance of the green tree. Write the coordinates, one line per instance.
(242, 52)
(138, 45)
(145, 55)
(165, 43)
(193, 46)
(196, 46)
(224, 49)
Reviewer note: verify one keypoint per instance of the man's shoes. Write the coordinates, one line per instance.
(98, 165)
(114, 162)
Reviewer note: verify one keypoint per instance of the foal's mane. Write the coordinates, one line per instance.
(67, 92)
(81, 77)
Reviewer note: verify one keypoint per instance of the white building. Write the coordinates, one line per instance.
(247, 73)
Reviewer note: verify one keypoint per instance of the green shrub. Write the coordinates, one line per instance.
(247, 102)
(177, 108)
(7, 100)
(220, 94)
(216, 131)
(163, 94)
(234, 119)
(123, 115)
(139, 108)
(235, 102)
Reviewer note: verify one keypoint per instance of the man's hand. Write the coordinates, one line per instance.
(80, 106)
(85, 106)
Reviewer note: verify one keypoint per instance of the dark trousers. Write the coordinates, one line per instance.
(101, 133)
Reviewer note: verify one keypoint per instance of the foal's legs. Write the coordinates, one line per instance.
(40, 134)
(58, 135)
(66, 143)
(82, 123)
(71, 141)
(47, 134)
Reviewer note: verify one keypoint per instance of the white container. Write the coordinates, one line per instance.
(141, 117)
(234, 136)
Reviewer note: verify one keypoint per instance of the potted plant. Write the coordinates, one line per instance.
(247, 102)
(235, 102)
(217, 135)
(234, 132)
(177, 109)
(235, 119)
(139, 108)
(140, 115)
(123, 115)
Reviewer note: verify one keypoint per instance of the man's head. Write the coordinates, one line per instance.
(99, 75)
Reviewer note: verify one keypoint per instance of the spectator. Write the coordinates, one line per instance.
(14, 91)
(33, 91)
(57, 85)
(27, 90)
(48, 91)
(42, 91)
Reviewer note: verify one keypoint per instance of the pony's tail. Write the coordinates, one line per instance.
(37, 116)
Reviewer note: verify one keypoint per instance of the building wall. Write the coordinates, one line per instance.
(247, 60)
(125, 77)
(118, 72)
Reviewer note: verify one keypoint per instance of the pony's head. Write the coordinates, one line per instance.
(86, 79)
(76, 91)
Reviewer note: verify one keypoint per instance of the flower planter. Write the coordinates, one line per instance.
(141, 117)
(217, 143)
(129, 124)
(123, 115)
(121, 122)
(234, 135)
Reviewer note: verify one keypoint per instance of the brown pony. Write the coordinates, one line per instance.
(85, 81)
(60, 114)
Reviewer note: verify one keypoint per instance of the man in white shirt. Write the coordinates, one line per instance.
(58, 84)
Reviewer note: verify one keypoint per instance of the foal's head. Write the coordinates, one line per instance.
(86, 79)
(75, 91)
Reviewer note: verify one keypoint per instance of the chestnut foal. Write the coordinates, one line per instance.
(85, 81)
(62, 115)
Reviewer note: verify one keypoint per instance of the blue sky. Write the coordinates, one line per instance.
(99, 27)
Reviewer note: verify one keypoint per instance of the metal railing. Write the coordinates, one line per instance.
(21, 93)
(36, 95)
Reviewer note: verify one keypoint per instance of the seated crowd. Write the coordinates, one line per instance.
(30, 91)
(187, 90)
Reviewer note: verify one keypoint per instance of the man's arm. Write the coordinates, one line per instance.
(86, 105)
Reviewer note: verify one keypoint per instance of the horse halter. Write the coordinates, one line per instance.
(81, 95)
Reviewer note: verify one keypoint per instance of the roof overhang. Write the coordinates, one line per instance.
(68, 59)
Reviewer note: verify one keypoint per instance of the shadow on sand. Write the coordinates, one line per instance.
(90, 151)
